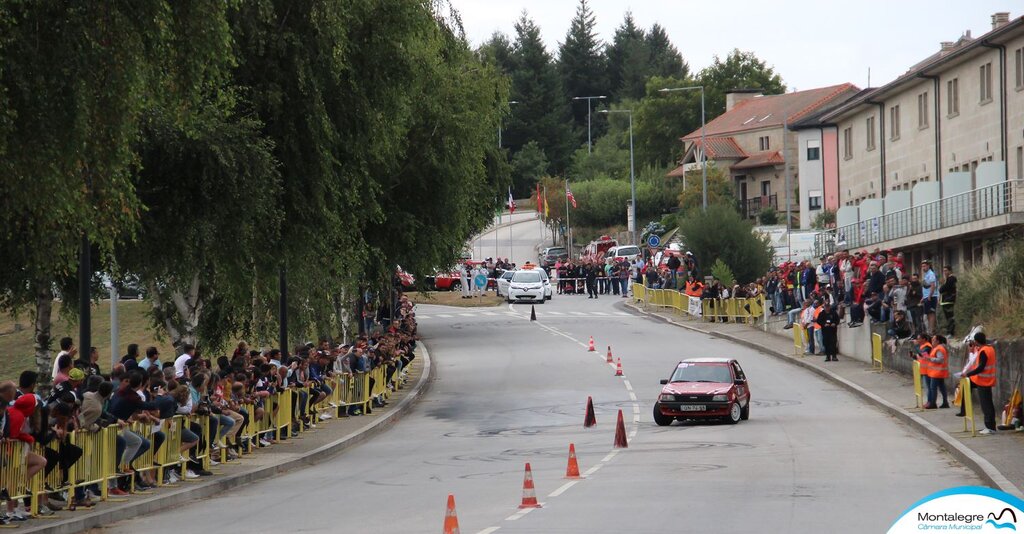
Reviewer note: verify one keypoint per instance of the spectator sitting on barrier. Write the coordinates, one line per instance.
(793, 315)
(17, 429)
(900, 327)
(189, 438)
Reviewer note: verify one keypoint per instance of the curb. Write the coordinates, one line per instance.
(217, 485)
(974, 461)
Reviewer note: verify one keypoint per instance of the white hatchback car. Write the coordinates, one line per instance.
(529, 286)
(503, 282)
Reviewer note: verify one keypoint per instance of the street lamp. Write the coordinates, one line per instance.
(703, 145)
(588, 99)
(511, 103)
(632, 173)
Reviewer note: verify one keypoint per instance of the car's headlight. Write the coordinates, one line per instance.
(667, 397)
(719, 398)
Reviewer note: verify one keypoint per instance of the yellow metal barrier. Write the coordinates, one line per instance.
(13, 474)
(968, 404)
(876, 352)
(146, 460)
(917, 384)
(169, 455)
(96, 466)
(639, 293)
(799, 339)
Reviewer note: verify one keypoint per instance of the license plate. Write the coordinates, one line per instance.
(692, 408)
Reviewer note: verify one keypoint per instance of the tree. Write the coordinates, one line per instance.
(75, 80)
(768, 216)
(824, 219)
(497, 51)
(665, 60)
(542, 114)
(581, 65)
(720, 234)
(628, 60)
(528, 166)
(720, 189)
(662, 118)
(721, 272)
(740, 70)
(607, 159)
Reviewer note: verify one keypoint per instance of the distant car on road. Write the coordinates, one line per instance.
(550, 255)
(704, 388)
(625, 252)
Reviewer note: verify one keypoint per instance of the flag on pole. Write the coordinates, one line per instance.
(539, 207)
(547, 211)
(568, 195)
(511, 202)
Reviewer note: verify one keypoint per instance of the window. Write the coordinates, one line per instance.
(763, 142)
(985, 78)
(813, 150)
(953, 97)
(1020, 163)
(922, 111)
(766, 188)
(894, 122)
(871, 133)
(814, 200)
(848, 143)
(1019, 64)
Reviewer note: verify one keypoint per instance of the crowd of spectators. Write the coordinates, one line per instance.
(144, 388)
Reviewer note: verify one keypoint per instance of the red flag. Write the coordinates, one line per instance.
(568, 195)
(511, 202)
(539, 205)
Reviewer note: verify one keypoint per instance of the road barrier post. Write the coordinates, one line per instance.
(876, 352)
(798, 339)
(968, 405)
(917, 384)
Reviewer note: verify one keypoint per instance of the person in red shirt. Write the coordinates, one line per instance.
(18, 430)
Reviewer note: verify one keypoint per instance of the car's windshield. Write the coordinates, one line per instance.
(555, 251)
(702, 372)
(507, 275)
(628, 251)
(526, 276)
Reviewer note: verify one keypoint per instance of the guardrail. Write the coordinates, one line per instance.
(746, 310)
(974, 205)
(98, 466)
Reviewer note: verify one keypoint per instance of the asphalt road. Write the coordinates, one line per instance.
(812, 458)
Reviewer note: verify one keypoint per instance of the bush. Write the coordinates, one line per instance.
(768, 216)
(991, 295)
(723, 273)
(720, 234)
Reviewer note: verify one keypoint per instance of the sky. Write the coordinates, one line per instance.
(809, 43)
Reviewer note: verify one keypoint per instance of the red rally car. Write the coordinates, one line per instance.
(704, 388)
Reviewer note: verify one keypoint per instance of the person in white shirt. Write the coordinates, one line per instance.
(67, 348)
(181, 363)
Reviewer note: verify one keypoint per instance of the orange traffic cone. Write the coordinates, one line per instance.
(591, 348)
(529, 495)
(573, 469)
(589, 419)
(451, 519)
(620, 434)
(618, 368)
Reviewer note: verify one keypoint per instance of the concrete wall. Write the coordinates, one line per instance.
(859, 175)
(910, 158)
(972, 134)
(853, 342)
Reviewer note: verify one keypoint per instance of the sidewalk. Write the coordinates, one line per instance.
(310, 448)
(996, 459)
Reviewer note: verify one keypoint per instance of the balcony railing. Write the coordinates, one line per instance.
(752, 207)
(975, 205)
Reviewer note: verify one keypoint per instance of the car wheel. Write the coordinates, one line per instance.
(735, 413)
(455, 286)
(745, 412)
(659, 418)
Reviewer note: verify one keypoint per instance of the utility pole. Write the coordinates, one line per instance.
(589, 99)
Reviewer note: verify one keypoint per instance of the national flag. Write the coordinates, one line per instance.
(538, 198)
(511, 202)
(547, 211)
(568, 195)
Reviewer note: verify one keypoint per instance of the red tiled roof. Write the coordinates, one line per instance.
(677, 172)
(721, 148)
(761, 159)
(766, 111)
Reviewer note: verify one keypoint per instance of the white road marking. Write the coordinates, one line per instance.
(629, 387)
(624, 313)
(492, 314)
(579, 313)
(423, 317)
(599, 313)
(520, 513)
(592, 470)
(445, 316)
(467, 315)
(610, 455)
(562, 489)
(553, 313)
(512, 314)
(489, 530)
(632, 396)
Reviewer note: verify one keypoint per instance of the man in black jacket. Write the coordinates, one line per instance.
(828, 321)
